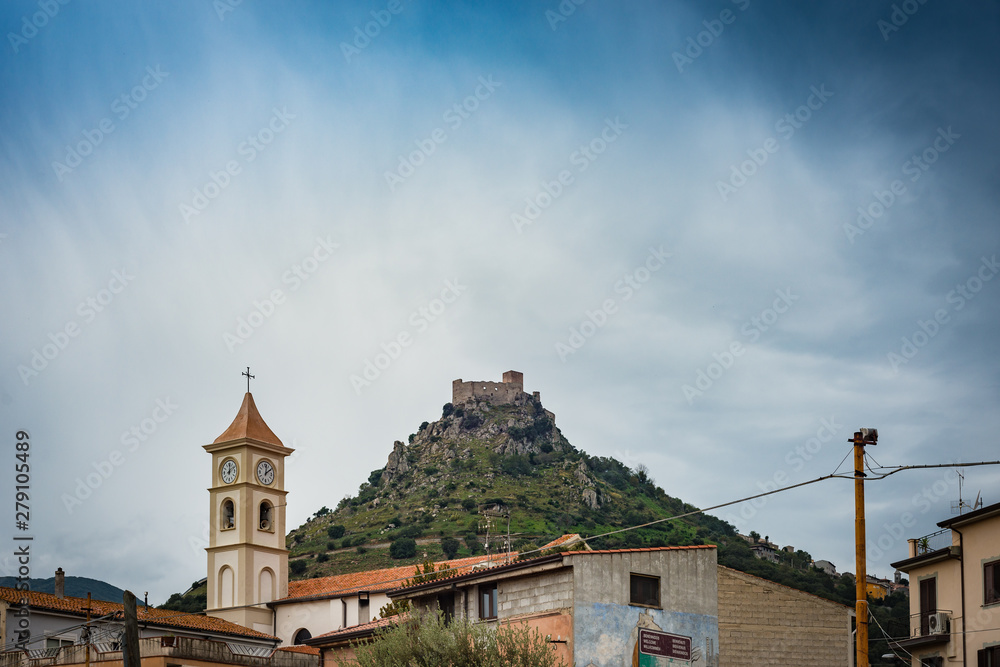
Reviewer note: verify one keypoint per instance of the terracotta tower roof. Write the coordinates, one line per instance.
(249, 424)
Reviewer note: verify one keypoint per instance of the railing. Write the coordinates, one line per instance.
(920, 623)
(934, 541)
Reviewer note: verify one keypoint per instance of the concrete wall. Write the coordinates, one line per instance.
(606, 626)
(764, 623)
(530, 595)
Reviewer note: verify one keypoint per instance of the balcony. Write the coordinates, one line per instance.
(927, 629)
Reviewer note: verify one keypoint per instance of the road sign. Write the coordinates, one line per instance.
(664, 644)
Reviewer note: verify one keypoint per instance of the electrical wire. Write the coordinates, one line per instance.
(887, 638)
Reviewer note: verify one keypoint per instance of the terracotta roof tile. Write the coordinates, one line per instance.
(299, 648)
(375, 581)
(363, 627)
(249, 424)
(150, 615)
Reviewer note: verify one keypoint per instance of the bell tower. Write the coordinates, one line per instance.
(247, 558)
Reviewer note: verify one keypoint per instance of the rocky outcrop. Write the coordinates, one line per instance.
(396, 465)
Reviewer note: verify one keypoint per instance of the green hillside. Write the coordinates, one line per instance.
(479, 455)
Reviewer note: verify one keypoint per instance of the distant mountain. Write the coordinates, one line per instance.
(77, 587)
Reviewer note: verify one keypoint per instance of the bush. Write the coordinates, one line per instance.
(403, 547)
(431, 470)
(546, 447)
(361, 549)
(450, 547)
(331, 546)
(447, 409)
(470, 422)
(410, 531)
(423, 425)
(469, 504)
(322, 558)
(297, 566)
(336, 531)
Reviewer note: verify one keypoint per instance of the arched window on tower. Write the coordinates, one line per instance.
(228, 518)
(301, 636)
(266, 519)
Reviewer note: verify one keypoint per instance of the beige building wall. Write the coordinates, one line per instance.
(980, 545)
(764, 623)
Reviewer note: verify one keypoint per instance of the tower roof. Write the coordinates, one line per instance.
(249, 424)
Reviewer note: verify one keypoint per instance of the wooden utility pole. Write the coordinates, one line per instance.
(130, 647)
(87, 630)
(866, 436)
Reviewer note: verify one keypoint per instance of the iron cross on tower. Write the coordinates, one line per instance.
(249, 377)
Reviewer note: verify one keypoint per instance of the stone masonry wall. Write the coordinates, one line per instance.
(507, 391)
(764, 623)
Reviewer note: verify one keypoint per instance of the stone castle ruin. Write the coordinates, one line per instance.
(509, 390)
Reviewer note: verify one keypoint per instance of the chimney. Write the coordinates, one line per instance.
(60, 585)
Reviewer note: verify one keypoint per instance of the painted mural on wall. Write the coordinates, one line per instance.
(610, 635)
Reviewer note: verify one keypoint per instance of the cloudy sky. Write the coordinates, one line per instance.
(718, 237)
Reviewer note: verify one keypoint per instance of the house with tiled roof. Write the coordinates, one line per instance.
(595, 607)
(343, 601)
(55, 620)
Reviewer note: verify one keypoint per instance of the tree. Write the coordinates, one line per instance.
(450, 546)
(404, 547)
(336, 531)
(429, 639)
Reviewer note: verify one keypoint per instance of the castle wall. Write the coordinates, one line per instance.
(508, 391)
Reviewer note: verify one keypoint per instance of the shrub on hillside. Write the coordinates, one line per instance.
(335, 531)
(403, 547)
(450, 547)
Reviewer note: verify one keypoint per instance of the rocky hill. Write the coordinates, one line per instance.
(485, 453)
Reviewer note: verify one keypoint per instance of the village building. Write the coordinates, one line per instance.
(955, 598)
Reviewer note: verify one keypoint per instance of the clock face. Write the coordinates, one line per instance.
(229, 471)
(265, 472)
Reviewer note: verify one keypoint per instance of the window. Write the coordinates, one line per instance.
(301, 636)
(265, 522)
(928, 603)
(228, 515)
(991, 582)
(932, 662)
(364, 615)
(644, 590)
(990, 657)
(488, 601)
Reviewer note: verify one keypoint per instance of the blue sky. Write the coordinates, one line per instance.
(651, 210)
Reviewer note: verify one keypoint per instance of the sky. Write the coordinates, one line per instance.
(718, 237)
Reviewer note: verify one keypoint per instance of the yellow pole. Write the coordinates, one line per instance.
(861, 579)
